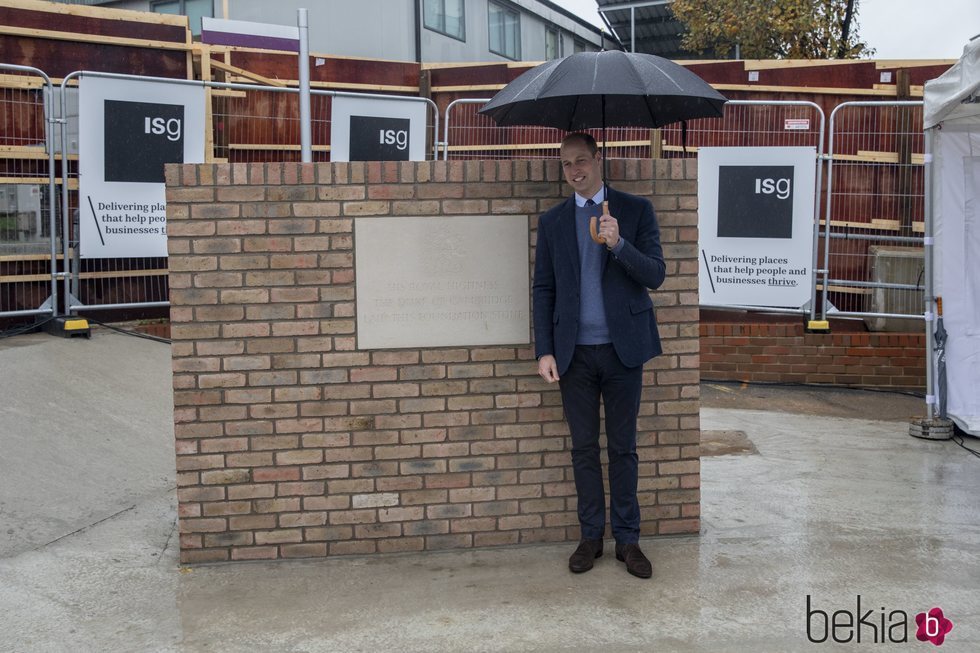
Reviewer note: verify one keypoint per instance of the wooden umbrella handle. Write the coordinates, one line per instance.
(593, 222)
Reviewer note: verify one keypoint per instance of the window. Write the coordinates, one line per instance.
(552, 43)
(579, 46)
(193, 9)
(505, 31)
(445, 17)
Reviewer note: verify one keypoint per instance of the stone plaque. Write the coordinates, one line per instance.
(442, 281)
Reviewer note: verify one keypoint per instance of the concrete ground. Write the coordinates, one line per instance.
(812, 493)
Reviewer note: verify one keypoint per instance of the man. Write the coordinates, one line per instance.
(594, 327)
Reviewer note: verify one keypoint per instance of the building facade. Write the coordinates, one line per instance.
(430, 31)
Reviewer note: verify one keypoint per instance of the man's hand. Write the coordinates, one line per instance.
(548, 368)
(609, 230)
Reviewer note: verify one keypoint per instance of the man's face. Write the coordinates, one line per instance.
(581, 168)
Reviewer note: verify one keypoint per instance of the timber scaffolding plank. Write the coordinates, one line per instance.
(87, 276)
(860, 79)
(62, 38)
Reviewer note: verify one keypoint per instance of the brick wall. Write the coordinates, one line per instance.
(784, 353)
(291, 442)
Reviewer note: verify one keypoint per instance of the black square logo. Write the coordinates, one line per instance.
(755, 201)
(140, 137)
(379, 139)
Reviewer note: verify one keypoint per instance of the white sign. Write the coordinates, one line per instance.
(220, 31)
(129, 130)
(796, 124)
(756, 225)
(377, 129)
(442, 281)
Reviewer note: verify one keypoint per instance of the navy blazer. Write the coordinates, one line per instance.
(625, 279)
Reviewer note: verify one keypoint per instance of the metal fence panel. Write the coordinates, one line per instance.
(101, 283)
(255, 124)
(470, 135)
(28, 231)
(246, 123)
(745, 123)
(874, 217)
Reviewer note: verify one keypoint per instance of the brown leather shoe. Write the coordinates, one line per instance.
(585, 555)
(636, 563)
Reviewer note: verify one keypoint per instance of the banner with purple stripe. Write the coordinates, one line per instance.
(266, 36)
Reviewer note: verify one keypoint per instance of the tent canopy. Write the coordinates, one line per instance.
(952, 119)
(955, 94)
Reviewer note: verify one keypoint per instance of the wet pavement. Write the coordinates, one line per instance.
(837, 502)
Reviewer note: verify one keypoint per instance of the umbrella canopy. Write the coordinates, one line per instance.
(599, 89)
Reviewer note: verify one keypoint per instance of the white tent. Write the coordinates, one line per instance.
(952, 124)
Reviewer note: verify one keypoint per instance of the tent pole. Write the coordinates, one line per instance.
(929, 299)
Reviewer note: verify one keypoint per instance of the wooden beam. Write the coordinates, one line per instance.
(25, 81)
(23, 151)
(241, 72)
(208, 107)
(868, 156)
(343, 86)
(38, 181)
(818, 90)
(18, 258)
(784, 64)
(223, 92)
(846, 289)
(467, 88)
(888, 64)
(876, 224)
(99, 12)
(109, 274)
(915, 90)
(7, 30)
(389, 88)
(271, 147)
(116, 274)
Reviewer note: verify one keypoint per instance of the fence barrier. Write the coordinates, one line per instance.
(868, 233)
(247, 123)
(28, 232)
(874, 226)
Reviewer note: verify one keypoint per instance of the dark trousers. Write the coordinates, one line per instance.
(595, 372)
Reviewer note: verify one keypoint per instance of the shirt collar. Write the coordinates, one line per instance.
(597, 198)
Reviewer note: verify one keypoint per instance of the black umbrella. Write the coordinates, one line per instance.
(599, 89)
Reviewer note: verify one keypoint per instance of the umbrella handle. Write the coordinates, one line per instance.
(592, 225)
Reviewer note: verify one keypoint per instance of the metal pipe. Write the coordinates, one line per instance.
(418, 30)
(52, 186)
(305, 130)
(632, 28)
(69, 268)
(816, 216)
(35, 311)
(75, 308)
(826, 234)
(929, 298)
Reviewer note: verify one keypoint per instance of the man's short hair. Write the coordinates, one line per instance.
(585, 138)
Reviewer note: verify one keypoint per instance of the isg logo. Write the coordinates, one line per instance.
(778, 187)
(163, 127)
(140, 137)
(379, 139)
(755, 201)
